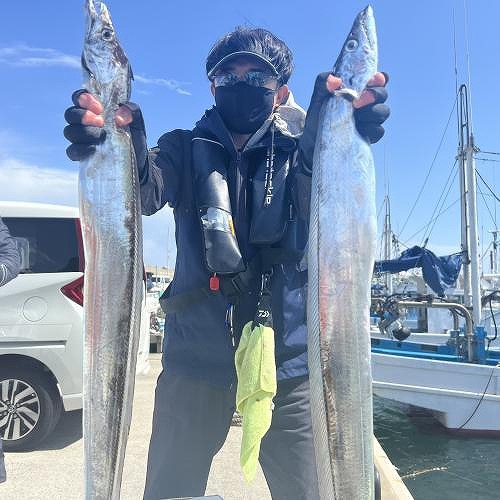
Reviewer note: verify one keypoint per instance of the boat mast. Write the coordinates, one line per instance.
(475, 257)
(470, 240)
(463, 133)
(387, 243)
(494, 253)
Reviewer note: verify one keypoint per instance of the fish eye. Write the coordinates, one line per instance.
(351, 45)
(107, 35)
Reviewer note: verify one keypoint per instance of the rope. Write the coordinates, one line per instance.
(437, 216)
(480, 400)
(431, 166)
(443, 198)
(488, 152)
(486, 184)
(488, 208)
(487, 159)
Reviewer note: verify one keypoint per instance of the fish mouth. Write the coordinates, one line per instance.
(97, 13)
(367, 24)
(92, 15)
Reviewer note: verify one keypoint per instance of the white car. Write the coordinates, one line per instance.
(41, 313)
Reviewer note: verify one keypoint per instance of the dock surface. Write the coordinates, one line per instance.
(55, 470)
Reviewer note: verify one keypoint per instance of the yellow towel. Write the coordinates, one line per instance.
(256, 370)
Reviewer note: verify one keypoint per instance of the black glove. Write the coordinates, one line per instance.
(369, 118)
(84, 138)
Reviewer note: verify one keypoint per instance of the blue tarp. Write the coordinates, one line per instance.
(438, 272)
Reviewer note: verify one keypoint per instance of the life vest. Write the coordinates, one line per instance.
(272, 219)
(270, 204)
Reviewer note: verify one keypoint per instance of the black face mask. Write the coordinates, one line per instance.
(244, 108)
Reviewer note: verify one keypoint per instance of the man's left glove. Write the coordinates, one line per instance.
(369, 117)
(370, 111)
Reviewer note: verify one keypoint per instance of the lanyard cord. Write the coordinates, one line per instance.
(268, 196)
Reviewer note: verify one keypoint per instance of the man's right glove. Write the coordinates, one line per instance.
(85, 129)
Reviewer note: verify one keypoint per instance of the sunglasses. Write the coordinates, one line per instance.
(252, 78)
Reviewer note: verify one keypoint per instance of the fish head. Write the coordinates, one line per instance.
(357, 61)
(103, 60)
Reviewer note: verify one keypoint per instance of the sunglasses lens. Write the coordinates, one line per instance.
(252, 78)
(256, 78)
(225, 80)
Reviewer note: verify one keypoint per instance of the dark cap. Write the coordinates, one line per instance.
(261, 57)
(258, 43)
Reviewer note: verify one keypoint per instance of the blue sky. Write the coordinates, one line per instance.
(167, 42)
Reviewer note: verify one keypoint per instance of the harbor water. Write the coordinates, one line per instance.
(435, 464)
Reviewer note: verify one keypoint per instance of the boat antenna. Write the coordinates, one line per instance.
(467, 51)
(470, 241)
(456, 64)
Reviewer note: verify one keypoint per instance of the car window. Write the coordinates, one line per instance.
(46, 245)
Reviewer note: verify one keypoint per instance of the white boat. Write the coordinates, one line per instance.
(451, 373)
(461, 396)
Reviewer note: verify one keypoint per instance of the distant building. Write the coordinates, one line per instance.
(158, 277)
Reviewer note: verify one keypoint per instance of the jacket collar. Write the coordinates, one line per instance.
(288, 121)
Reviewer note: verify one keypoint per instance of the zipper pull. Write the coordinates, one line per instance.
(229, 323)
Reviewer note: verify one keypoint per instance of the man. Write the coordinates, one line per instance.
(10, 260)
(10, 265)
(239, 185)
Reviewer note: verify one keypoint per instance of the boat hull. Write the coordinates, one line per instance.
(461, 396)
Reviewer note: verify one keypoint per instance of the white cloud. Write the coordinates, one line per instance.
(163, 82)
(23, 55)
(21, 181)
(26, 56)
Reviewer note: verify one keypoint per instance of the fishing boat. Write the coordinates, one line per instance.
(454, 373)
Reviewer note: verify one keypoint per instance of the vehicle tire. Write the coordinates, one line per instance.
(30, 407)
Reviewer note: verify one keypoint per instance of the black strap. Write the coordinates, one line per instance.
(264, 312)
(182, 301)
(231, 286)
(271, 256)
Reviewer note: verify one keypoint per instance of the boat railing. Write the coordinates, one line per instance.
(456, 309)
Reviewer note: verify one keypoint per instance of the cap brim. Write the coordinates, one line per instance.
(259, 57)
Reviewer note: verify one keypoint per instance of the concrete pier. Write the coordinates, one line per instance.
(55, 470)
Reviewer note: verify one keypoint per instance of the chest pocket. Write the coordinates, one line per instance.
(269, 200)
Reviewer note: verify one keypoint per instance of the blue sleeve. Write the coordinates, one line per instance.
(10, 260)
(301, 188)
(161, 175)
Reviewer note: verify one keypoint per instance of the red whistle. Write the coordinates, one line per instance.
(214, 283)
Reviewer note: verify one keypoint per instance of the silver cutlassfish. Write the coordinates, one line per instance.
(340, 259)
(111, 223)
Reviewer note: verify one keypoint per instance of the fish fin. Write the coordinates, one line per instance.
(85, 66)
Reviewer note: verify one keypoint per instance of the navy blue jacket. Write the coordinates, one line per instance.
(197, 340)
(10, 260)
